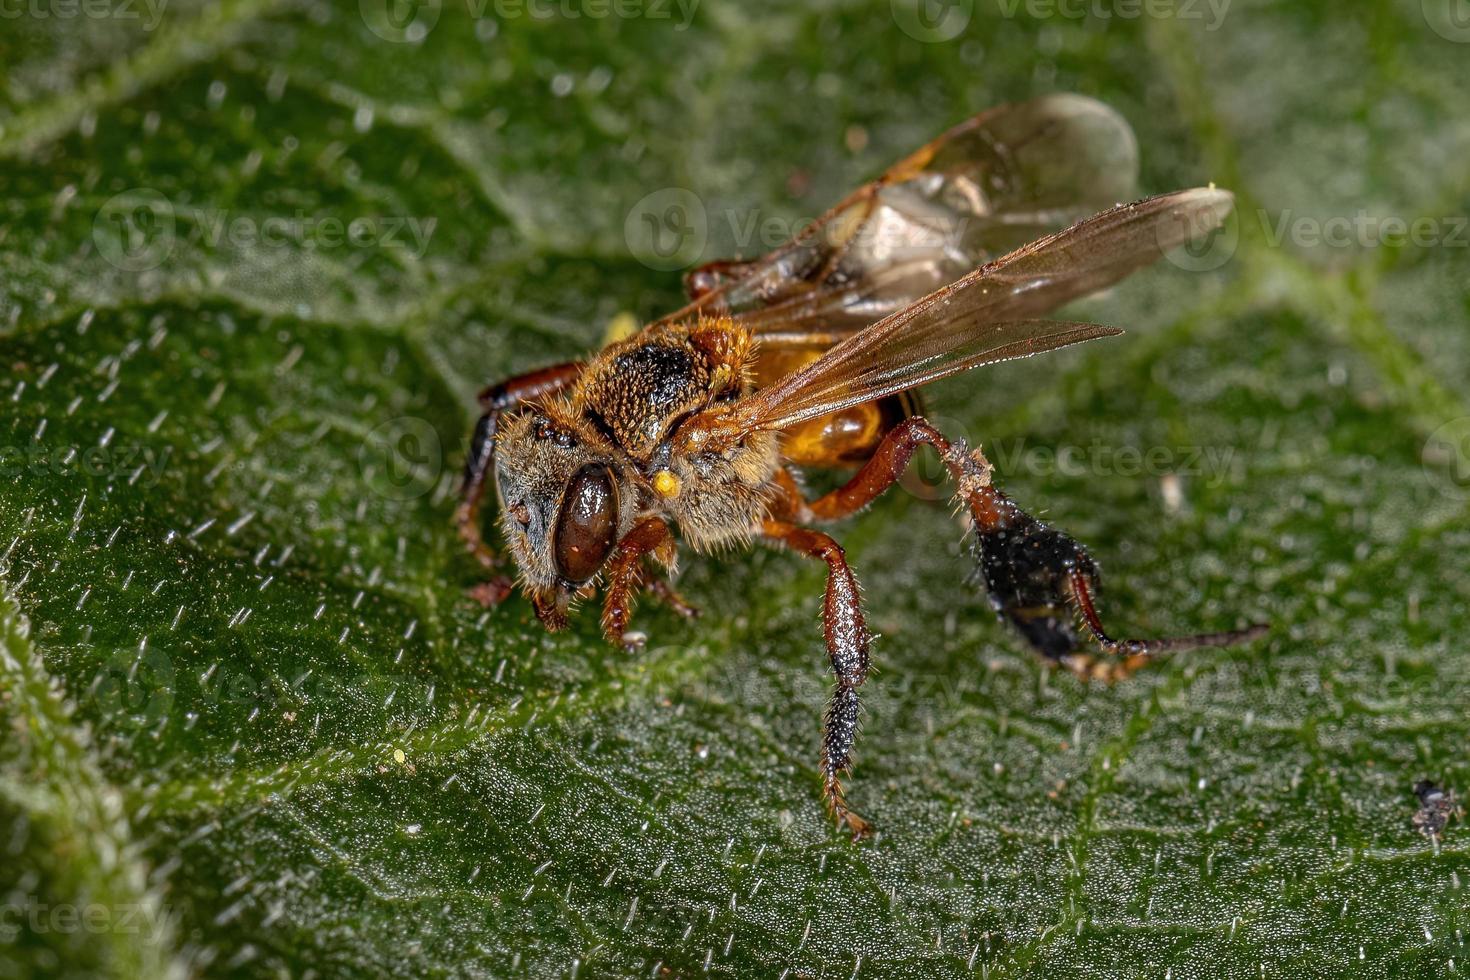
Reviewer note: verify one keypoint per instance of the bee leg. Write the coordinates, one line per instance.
(670, 597)
(472, 488)
(1131, 654)
(1045, 583)
(624, 574)
(882, 470)
(847, 637)
(480, 464)
(493, 591)
(1038, 578)
(706, 278)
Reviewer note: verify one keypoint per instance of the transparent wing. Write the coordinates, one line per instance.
(990, 314)
(988, 185)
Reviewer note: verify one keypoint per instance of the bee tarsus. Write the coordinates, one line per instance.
(845, 630)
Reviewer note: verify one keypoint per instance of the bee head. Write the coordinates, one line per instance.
(564, 504)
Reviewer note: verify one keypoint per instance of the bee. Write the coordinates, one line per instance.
(808, 357)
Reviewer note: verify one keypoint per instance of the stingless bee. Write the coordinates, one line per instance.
(807, 358)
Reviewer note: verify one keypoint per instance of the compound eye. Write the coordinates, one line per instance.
(587, 527)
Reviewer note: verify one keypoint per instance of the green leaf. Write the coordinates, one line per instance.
(255, 724)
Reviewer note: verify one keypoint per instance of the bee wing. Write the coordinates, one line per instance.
(988, 315)
(990, 184)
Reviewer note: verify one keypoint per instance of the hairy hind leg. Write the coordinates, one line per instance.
(1038, 578)
(1133, 654)
(847, 638)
